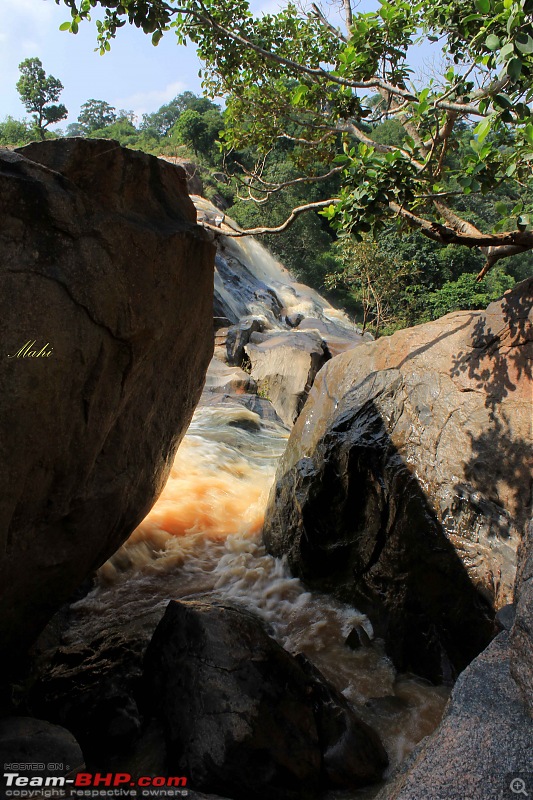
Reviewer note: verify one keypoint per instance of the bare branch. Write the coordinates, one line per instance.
(495, 254)
(271, 187)
(295, 213)
(350, 127)
(312, 142)
(457, 223)
(331, 28)
(348, 14)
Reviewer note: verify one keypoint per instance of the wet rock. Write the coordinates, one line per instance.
(358, 638)
(103, 264)
(241, 716)
(258, 405)
(284, 365)
(338, 338)
(352, 753)
(233, 703)
(223, 379)
(402, 486)
(26, 740)
(505, 617)
(293, 320)
(484, 741)
(238, 336)
(239, 292)
(91, 689)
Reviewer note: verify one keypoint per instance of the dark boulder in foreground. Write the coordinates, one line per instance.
(102, 265)
(242, 717)
(405, 485)
(50, 748)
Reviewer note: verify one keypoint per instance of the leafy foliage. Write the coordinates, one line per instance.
(321, 82)
(94, 115)
(14, 132)
(467, 293)
(197, 130)
(40, 93)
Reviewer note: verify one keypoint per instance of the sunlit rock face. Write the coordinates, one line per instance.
(104, 269)
(405, 487)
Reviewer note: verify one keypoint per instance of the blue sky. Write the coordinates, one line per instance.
(133, 76)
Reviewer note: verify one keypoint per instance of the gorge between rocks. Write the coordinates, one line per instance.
(321, 475)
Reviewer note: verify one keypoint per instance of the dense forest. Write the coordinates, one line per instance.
(398, 280)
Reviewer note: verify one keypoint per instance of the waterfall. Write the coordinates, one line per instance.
(202, 538)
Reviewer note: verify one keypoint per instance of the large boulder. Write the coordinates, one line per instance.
(402, 488)
(104, 270)
(483, 745)
(284, 366)
(49, 749)
(243, 718)
(90, 689)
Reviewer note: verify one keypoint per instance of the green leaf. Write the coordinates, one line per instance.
(524, 43)
(482, 128)
(514, 68)
(502, 209)
(299, 94)
(522, 110)
(483, 6)
(528, 132)
(507, 51)
(492, 42)
(502, 101)
(65, 26)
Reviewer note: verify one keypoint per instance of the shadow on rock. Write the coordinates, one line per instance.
(361, 527)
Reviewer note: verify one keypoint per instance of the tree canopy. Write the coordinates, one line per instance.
(40, 93)
(324, 79)
(95, 114)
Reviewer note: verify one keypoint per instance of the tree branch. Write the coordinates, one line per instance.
(295, 213)
(494, 246)
(331, 28)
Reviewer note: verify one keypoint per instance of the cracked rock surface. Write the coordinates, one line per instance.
(406, 484)
(102, 263)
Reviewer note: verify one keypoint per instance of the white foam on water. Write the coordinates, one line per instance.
(203, 538)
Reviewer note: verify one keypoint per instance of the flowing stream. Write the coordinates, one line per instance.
(203, 537)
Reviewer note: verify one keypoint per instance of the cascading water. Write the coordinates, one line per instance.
(203, 537)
